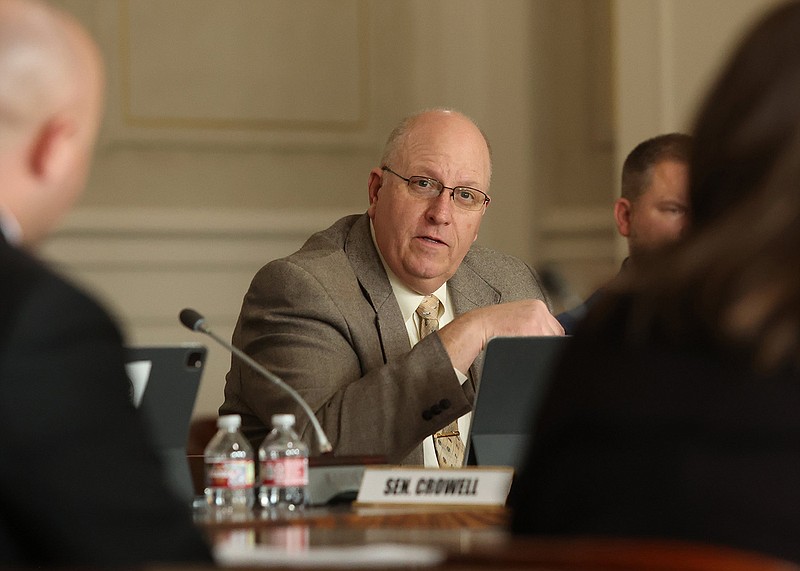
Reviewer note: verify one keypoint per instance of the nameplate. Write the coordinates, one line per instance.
(477, 486)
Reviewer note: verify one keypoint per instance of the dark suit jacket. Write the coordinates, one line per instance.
(660, 439)
(79, 483)
(571, 319)
(325, 320)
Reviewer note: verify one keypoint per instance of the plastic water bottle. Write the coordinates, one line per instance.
(283, 461)
(230, 467)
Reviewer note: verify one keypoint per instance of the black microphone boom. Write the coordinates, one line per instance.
(196, 322)
(191, 319)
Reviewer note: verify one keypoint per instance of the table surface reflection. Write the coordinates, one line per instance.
(473, 539)
(457, 530)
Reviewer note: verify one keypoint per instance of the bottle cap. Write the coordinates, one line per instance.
(283, 420)
(229, 421)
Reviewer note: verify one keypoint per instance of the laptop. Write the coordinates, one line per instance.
(165, 380)
(515, 376)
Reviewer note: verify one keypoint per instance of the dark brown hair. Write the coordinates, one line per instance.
(637, 171)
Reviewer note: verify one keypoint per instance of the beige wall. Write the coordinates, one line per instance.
(235, 129)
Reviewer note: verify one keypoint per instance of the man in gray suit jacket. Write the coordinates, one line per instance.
(336, 319)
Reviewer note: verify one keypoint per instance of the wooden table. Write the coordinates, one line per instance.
(454, 530)
(473, 539)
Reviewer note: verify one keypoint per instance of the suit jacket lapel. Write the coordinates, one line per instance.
(469, 291)
(466, 288)
(375, 284)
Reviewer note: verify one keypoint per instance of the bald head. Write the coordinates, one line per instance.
(397, 140)
(423, 239)
(50, 100)
(39, 53)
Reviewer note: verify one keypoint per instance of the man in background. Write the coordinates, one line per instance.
(345, 320)
(653, 210)
(79, 483)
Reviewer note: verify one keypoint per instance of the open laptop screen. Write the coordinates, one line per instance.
(165, 380)
(516, 372)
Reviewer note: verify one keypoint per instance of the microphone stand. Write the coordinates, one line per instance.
(196, 322)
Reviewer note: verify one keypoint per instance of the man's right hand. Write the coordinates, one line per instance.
(468, 334)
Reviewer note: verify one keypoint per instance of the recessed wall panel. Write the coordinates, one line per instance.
(243, 64)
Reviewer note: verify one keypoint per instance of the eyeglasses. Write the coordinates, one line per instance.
(465, 197)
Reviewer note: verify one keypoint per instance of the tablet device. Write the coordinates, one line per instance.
(516, 373)
(165, 380)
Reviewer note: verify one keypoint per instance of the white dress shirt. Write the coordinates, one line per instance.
(409, 300)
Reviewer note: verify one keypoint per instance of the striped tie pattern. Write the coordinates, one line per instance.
(447, 442)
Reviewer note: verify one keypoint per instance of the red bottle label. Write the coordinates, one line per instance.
(284, 472)
(231, 474)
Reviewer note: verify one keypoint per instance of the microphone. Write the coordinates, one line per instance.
(196, 322)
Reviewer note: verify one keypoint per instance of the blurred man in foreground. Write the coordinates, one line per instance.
(79, 483)
(672, 415)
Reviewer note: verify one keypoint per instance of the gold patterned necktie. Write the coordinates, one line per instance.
(447, 442)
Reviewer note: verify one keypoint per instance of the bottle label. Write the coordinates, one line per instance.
(284, 472)
(231, 474)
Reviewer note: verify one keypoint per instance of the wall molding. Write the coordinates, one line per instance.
(106, 239)
(575, 234)
(177, 221)
(565, 219)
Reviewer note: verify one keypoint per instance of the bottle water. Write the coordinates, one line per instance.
(283, 461)
(230, 467)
